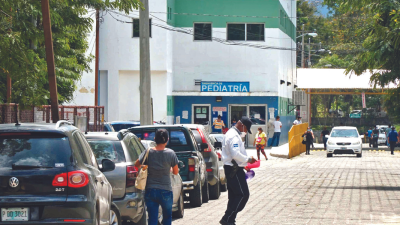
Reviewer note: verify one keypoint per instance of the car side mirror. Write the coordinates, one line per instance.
(218, 144)
(107, 165)
(203, 146)
(181, 165)
(361, 136)
(327, 136)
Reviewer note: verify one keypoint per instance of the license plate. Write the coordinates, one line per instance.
(14, 214)
(343, 148)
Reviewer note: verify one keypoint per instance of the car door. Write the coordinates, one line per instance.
(101, 183)
(202, 164)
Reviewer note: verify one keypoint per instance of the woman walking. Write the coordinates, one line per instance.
(158, 187)
(260, 141)
(309, 139)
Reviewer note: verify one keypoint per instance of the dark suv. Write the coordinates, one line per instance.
(123, 148)
(49, 175)
(183, 142)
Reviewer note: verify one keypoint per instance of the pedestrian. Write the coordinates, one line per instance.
(312, 143)
(271, 130)
(309, 139)
(235, 159)
(260, 141)
(233, 122)
(370, 136)
(323, 134)
(158, 192)
(387, 131)
(219, 124)
(298, 121)
(277, 131)
(393, 139)
(375, 136)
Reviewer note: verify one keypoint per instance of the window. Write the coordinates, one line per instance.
(136, 28)
(255, 32)
(246, 32)
(202, 31)
(111, 150)
(177, 138)
(134, 149)
(169, 15)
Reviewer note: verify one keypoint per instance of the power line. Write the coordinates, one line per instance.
(220, 40)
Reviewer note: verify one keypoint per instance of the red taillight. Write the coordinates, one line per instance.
(209, 170)
(77, 179)
(60, 180)
(74, 221)
(191, 164)
(203, 139)
(131, 174)
(73, 179)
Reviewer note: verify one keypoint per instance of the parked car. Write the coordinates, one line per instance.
(336, 113)
(210, 157)
(120, 125)
(382, 136)
(193, 172)
(123, 148)
(355, 114)
(178, 208)
(49, 175)
(216, 141)
(108, 127)
(344, 140)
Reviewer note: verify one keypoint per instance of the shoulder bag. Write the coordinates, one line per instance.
(142, 176)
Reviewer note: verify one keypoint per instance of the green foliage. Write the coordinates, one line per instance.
(22, 49)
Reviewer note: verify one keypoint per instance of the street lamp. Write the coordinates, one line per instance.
(302, 44)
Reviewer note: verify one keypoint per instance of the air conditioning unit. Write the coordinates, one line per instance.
(299, 98)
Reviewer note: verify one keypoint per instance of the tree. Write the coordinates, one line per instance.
(22, 52)
(381, 44)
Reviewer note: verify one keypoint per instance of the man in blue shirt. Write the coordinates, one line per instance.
(370, 136)
(393, 139)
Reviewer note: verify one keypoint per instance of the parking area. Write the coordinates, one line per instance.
(315, 189)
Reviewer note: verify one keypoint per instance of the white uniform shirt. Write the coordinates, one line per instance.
(297, 122)
(233, 148)
(277, 125)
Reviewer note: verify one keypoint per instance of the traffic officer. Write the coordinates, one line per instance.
(235, 159)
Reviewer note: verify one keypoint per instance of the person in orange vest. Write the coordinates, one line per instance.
(219, 124)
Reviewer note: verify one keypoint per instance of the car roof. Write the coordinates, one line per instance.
(124, 122)
(344, 128)
(155, 126)
(37, 127)
(110, 136)
(192, 126)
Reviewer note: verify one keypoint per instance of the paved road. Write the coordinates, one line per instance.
(316, 190)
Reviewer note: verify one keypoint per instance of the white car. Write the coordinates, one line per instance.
(382, 136)
(344, 140)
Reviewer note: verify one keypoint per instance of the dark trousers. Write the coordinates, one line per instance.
(155, 198)
(370, 142)
(308, 145)
(276, 137)
(375, 142)
(238, 193)
(325, 140)
(392, 145)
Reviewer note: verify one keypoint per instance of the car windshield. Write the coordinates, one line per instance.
(219, 138)
(344, 133)
(111, 150)
(356, 112)
(34, 152)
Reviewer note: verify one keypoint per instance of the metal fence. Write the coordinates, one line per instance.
(10, 113)
(296, 147)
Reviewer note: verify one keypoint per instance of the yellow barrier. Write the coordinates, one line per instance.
(296, 147)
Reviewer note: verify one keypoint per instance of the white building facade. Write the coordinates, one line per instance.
(195, 77)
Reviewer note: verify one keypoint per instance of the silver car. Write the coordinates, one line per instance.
(178, 208)
(216, 140)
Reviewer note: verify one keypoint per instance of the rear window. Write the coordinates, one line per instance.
(34, 151)
(118, 127)
(177, 138)
(111, 150)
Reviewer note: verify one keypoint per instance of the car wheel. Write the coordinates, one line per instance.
(142, 221)
(96, 219)
(359, 155)
(195, 195)
(181, 208)
(115, 218)
(329, 155)
(205, 191)
(224, 187)
(215, 191)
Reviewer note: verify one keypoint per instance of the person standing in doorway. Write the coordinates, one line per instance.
(393, 139)
(219, 124)
(235, 159)
(387, 131)
(233, 122)
(309, 139)
(370, 136)
(323, 134)
(277, 131)
(260, 141)
(298, 121)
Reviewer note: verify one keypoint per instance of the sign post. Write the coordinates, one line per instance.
(364, 104)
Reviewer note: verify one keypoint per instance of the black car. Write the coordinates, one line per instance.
(49, 175)
(193, 172)
(123, 148)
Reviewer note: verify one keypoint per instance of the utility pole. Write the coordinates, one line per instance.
(302, 48)
(96, 72)
(309, 52)
(51, 69)
(145, 74)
